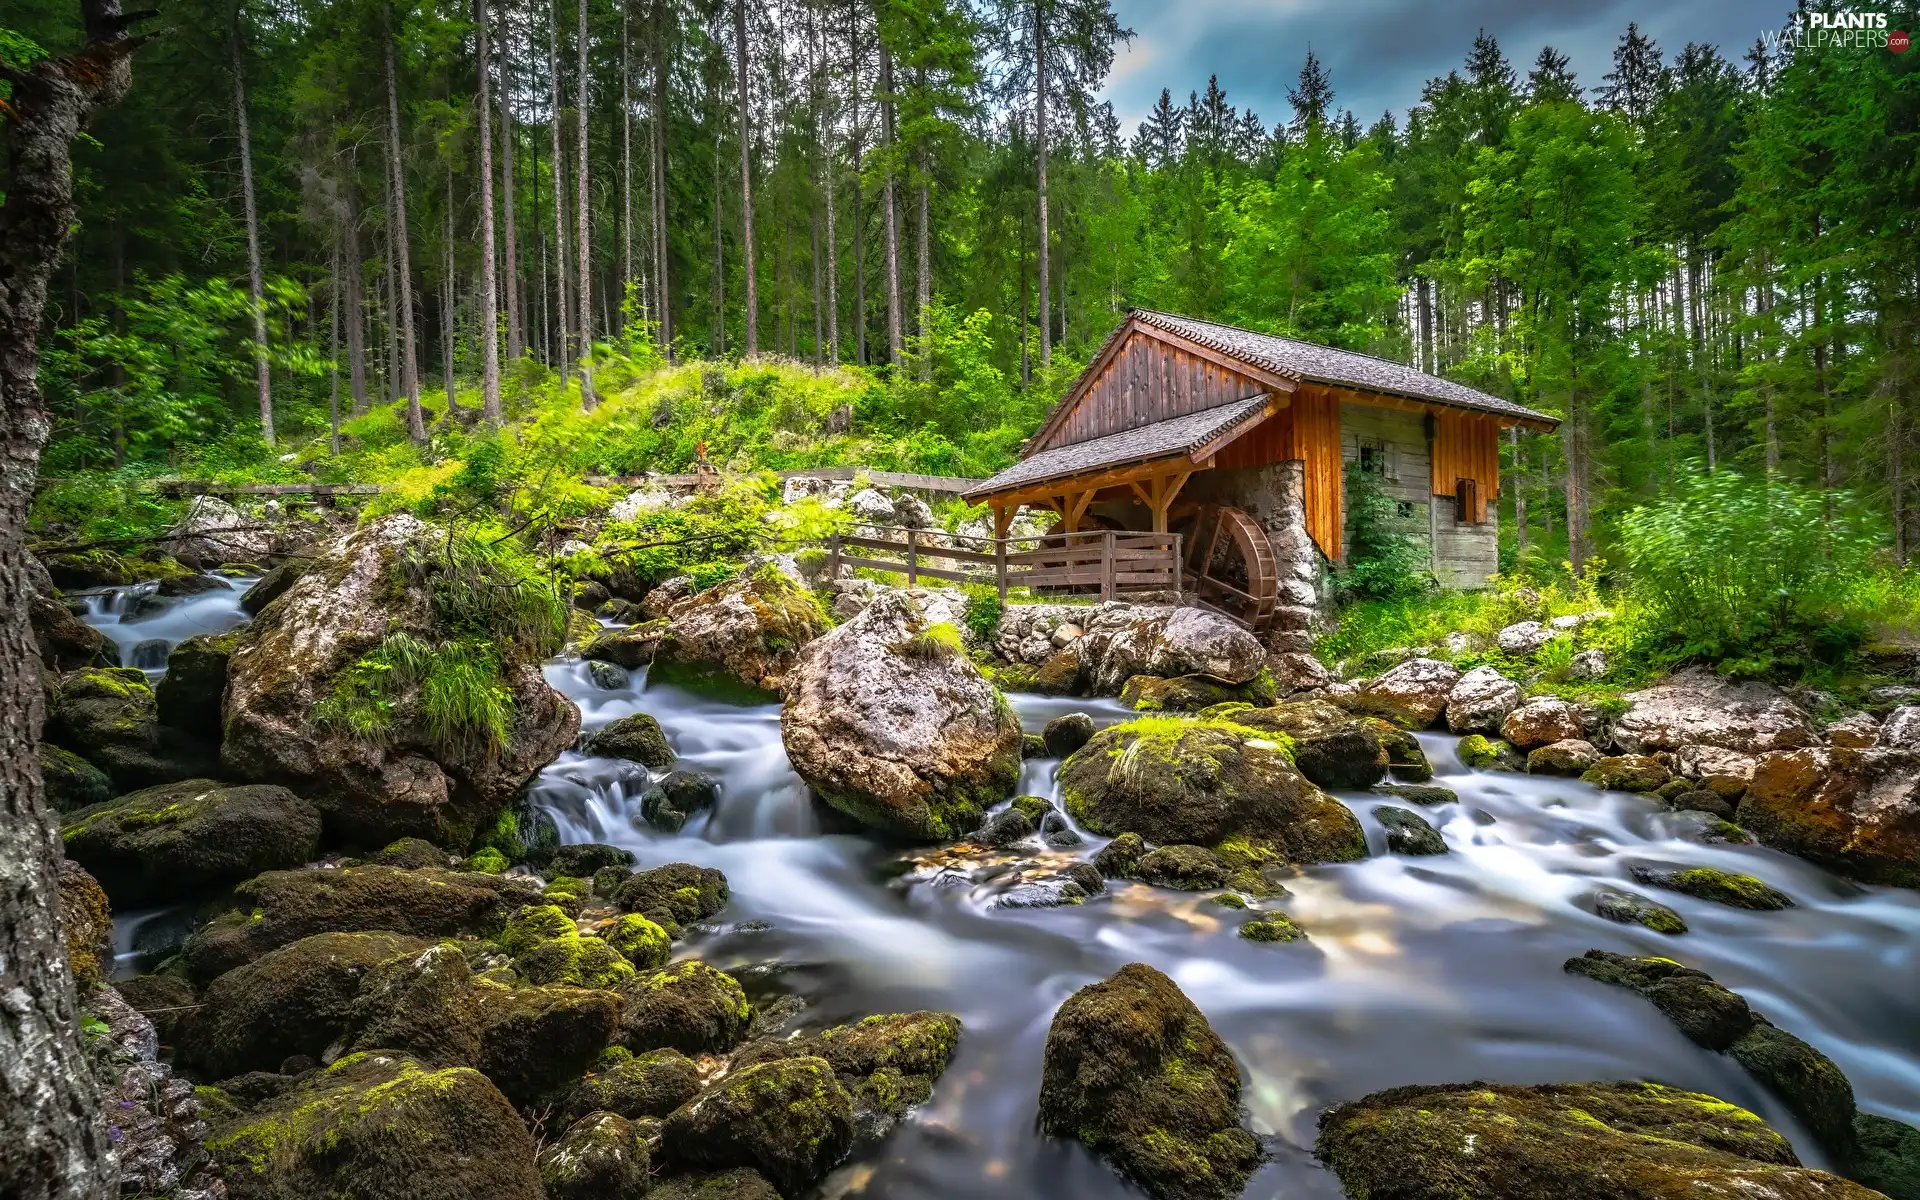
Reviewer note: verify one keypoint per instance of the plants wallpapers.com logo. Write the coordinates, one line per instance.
(1856, 31)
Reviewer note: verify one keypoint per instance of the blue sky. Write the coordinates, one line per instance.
(1381, 51)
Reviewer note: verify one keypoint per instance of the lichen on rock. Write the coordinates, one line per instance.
(173, 841)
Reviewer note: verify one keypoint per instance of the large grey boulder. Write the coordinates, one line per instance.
(215, 532)
(298, 666)
(1481, 701)
(748, 631)
(1523, 638)
(1698, 707)
(1417, 690)
(1123, 641)
(1541, 722)
(887, 720)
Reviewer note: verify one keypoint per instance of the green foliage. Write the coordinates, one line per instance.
(1385, 561)
(939, 642)
(983, 612)
(1751, 573)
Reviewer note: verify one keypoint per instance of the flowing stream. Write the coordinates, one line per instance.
(1418, 970)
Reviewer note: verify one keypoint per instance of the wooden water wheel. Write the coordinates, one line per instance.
(1230, 564)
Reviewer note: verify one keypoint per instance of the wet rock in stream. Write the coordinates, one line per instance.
(599, 1157)
(1710, 883)
(1408, 832)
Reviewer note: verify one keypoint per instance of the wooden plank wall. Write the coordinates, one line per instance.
(1316, 442)
(1466, 446)
(1145, 381)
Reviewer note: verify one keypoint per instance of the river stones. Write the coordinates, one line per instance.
(677, 797)
(1490, 754)
(632, 647)
(272, 586)
(689, 1007)
(111, 715)
(888, 722)
(742, 1183)
(888, 1063)
(1541, 722)
(1629, 908)
(548, 948)
(289, 905)
(1330, 747)
(1205, 783)
(409, 853)
(300, 704)
(1133, 1071)
(600, 1157)
(1886, 1156)
(1123, 641)
(1710, 883)
(583, 859)
(179, 839)
(64, 641)
(1272, 927)
(1007, 827)
(293, 1000)
(1191, 693)
(1628, 773)
(1185, 868)
(743, 636)
(536, 1041)
(1700, 707)
(677, 893)
(71, 782)
(1570, 756)
(1710, 1015)
(377, 1124)
(189, 696)
(634, 1085)
(423, 1004)
(1855, 811)
(1480, 701)
(789, 1120)
(636, 738)
(1572, 1141)
(1067, 733)
(1415, 693)
(1408, 832)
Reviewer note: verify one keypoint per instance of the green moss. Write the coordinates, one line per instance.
(1272, 927)
(938, 642)
(488, 861)
(640, 941)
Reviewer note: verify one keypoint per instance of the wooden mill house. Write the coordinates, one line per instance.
(1239, 441)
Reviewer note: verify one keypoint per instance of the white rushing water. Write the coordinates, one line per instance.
(1419, 970)
(145, 626)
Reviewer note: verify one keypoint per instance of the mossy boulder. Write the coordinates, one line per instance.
(1133, 1071)
(1419, 793)
(71, 782)
(1066, 733)
(915, 1043)
(1187, 868)
(632, 647)
(640, 941)
(423, 1004)
(1272, 927)
(1191, 693)
(1629, 908)
(65, 642)
(1489, 754)
(583, 859)
(677, 892)
(1710, 1015)
(1007, 827)
(179, 839)
(188, 697)
(1628, 773)
(316, 698)
(1181, 781)
(676, 797)
(889, 722)
(273, 585)
(1331, 748)
(409, 854)
(634, 1085)
(1408, 832)
(164, 998)
(280, 907)
(1886, 1156)
(1573, 1141)
(88, 569)
(749, 631)
(1814, 1090)
(740, 1184)
(294, 1000)
(381, 1125)
(689, 1006)
(1711, 883)
(1406, 758)
(636, 738)
(535, 1042)
(110, 713)
(600, 1157)
(1854, 811)
(86, 924)
(789, 1120)
(1570, 756)
(548, 948)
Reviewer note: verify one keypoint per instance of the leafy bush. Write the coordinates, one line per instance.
(983, 613)
(1385, 561)
(1753, 574)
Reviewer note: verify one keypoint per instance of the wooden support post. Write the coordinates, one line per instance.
(1000, 565)
(833, 558)
(1002, 520)
(913, 558)
(1106, 565)
(1074, 508)
(1179, 572)
(1165, 489)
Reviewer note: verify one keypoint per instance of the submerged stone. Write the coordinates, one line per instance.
(1272, 927)
(1067, 733)
(1711, 883)
(1628, 908)
(1408, 832)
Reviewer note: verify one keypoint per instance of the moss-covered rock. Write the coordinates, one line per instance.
(1490, 754)
(749, 630)
(916, 1043)
(583, 859)
(1408, 832)
(636, 738)
(65, 642)
(1707, 1013)
(1628, 773)
(1807, 1082)
(179, 839)
(632, 647)
(1201, 783)
(1133, 1071)
(1574, 1141)
(280, 907)
(740, 1184)
(536, 1041)
(381, 1125)
(1629, 908)
(398, 685)
(676, 797)
(294, 1000)
(72, 783)
(1710, 883)
(110, 713)
(1120, 858)
(1272, 927)
(423, 1005)
(790, 1120)
(188, 697)
(548, 948)
(1007, 827)
(410, 854)
(1886, 1156)
(86, 923)
(164, 998)
(273, 585)
(634, 1085)
(1331, 747)
(640, 941)
(678, 892)
(1066, 733)
(688, 1006)
(890, 723)
(1188, 868)
(599, 1157)
(1406, 759)
(1191, 693)
(1062, 674)
(1852, 810)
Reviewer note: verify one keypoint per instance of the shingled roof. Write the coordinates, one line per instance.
(1146, 443)
(1310, 363)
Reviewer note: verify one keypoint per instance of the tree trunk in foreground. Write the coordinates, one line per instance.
(403, 301)
(588, 400)
(747, 259)
(1040, 147)
(53, 1141)
(563, 354)
(254, 287)
(489, 277)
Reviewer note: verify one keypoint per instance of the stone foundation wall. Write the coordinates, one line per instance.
(1275, 497)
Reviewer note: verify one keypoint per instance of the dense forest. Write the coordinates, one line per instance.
(1699, 261)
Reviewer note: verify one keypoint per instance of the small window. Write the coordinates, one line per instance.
(1404, 510)
(1466, 502)
(1376, 459)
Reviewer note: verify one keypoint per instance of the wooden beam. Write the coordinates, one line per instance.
(1043, 493)
(1165, 490)
(1245, 425)
(1344, 395)
(1002, 519)
(1076, 507)
(1140, 492)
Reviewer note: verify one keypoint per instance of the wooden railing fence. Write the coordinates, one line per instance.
(1116, 562)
